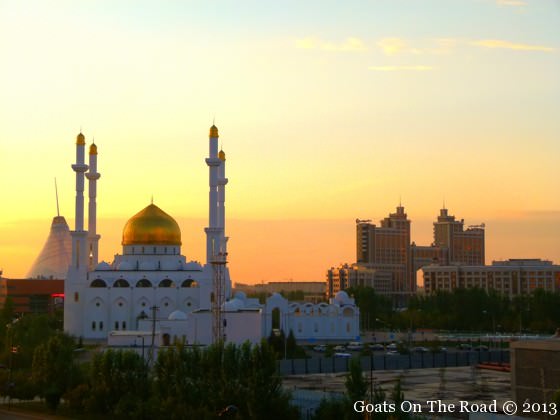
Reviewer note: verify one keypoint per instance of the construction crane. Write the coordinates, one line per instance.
(218, 262)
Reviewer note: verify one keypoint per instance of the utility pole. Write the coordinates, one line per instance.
(154, 309)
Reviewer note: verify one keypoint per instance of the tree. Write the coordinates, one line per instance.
(356, 385)
(53, 367)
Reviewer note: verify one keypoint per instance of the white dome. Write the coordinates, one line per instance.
(103, 266)
(342, 298)
(124, 265)
(241, 296)
(147, 266)
(234, 305)
(177, 316)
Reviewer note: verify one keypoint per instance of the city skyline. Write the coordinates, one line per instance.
(326, 115)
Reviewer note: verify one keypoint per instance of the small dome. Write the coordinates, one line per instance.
(342, 298)
(93, 149)
(214, 132)
(177, 316)
(80, 139)
(151, 226)
(241, 296)
(103, 266)
(222, 155)
(125, 265)
(234, 305)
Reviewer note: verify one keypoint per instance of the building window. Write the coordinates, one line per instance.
(100, 325)
(124, 325)
(116, 325)
(93, 325)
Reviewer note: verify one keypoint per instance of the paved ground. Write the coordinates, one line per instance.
(450, 384)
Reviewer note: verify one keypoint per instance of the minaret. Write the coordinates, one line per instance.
(213, 231)
(79, 249)
(93, 238)
(76, 279)
(222, 182)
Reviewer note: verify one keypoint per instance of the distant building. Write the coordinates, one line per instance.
(32, 295)
(345, 276)
(513, 277)
(386, 252)
(55, 257)
(387, 247)
(307, 287)
(463, 246)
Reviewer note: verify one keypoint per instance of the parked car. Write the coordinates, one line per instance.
(464, 347)
(377, 347)
(340, 347)
(392, 353)
(342, 355)
(481, 348)
(392, 346)
(355, 345)
(321, 348)
(420, 350)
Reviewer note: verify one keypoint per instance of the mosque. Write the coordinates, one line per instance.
(152, 286)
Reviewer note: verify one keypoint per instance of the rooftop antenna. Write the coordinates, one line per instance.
(56, 192)
(444, 202)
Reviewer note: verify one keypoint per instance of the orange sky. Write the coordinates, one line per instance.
(328, 112)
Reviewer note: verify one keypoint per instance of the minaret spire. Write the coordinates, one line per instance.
(93, 238)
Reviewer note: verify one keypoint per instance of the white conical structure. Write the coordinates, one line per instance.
(55, 257)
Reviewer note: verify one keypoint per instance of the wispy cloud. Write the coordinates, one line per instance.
(511, 2)
(349, 44)
(392, 46)
(401, 68)
(499, 43)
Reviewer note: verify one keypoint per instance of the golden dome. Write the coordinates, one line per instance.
(151, 226)
(222, 155)
(214, 131)
(80, 139)
(93, 149)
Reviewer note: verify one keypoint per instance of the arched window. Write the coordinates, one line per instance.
(189, 283)
(276, 319)
(121, 283)
(166, 283)
(98, 283)
(144, 283)
(166, 339)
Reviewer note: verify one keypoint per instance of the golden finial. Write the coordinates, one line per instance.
(222, 155)
(80, 139)
(214, 132)
(93, 148)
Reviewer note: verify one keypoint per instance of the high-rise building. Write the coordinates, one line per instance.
(387, 248)
(463, 246)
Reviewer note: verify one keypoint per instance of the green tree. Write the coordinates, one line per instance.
(356, 385)
(53, 367)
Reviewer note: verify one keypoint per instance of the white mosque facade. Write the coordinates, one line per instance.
(151, 279)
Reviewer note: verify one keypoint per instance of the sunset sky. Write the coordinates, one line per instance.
(328, 111)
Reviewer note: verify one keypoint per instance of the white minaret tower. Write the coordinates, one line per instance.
(213, 231)
(93, 238)
(222, 182)
(76, 280)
